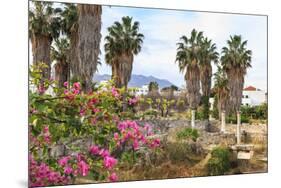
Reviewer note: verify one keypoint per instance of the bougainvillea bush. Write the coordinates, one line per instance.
(66, 115)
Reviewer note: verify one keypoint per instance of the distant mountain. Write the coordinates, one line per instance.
(137, 80)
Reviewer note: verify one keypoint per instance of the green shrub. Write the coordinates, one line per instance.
(219, 163)
(188, 133)
(150, 112)
(233, 119)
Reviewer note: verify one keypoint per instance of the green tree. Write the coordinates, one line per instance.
(188, 57)
(208, 55)
(44, 26)
(236, 59)
(59, 53)
(69, 27)
(121, 44)
(221, 94)
(153, 86)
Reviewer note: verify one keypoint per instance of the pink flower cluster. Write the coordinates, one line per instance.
(46, 135)
(109, 162)
(115, 92)
(82, 167)
(133, 101)
(132, 133)
(43, 175)
(41, 89)
(74, 90)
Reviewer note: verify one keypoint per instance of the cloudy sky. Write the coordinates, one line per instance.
(163, 28)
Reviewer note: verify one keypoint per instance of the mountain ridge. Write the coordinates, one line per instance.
(137, 80)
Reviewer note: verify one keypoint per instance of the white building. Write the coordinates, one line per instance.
(141, 90)
(253, 96)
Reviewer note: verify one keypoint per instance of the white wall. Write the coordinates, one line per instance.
(253, 98)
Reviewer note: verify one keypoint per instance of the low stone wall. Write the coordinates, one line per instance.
(163, 126)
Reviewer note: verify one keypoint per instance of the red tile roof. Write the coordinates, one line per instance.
(250, 88)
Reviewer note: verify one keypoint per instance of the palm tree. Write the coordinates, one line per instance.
(188, 58)
(153, 86)
(121, 44)
(88, 43)
(208, 55)
(69, 28)
(235, 59)
(44, 26)
(222, 94)
(59, 53)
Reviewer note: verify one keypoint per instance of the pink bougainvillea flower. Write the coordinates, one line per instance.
(68, 170)
(136, 145)
(47, 138)
(116, 136)
(93, 121)
(94, 150)
(109, 162)
(46, 129)
(133, 101)
(83, 168)
(41, 89)
(77, 86)
(92, 101)
(104, 153)
(75, 91)
(113, 177)
(82, 112)
(64, 160)
(155, 143)
(96, 110)
(65, 84)
(114, 92)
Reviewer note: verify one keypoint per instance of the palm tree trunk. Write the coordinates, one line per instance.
(192, 118)
(61, 73)
(238, 128)
(41, 48)
(89, 36)
(73, 56)
(223, 121)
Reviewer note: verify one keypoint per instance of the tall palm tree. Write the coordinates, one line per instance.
(153, 86)
(222, 94)
(121, 44)
(44, 26)
(59, 53)
(208, 55)
(236, 59)
(69, 26)
(188, 58)
(88, 42)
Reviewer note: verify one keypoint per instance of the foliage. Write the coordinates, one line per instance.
(72, 115)
(188, 58)
(255, 112)
(219, 163)
(235, 61)
(44, 20)
(188, 133)
(121, 44)
(232, 118)
(153, 86)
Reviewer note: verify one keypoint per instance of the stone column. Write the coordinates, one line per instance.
(223, 121)
(192, 119)
(238, 128)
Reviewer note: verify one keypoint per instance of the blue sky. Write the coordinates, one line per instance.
(163, 28)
